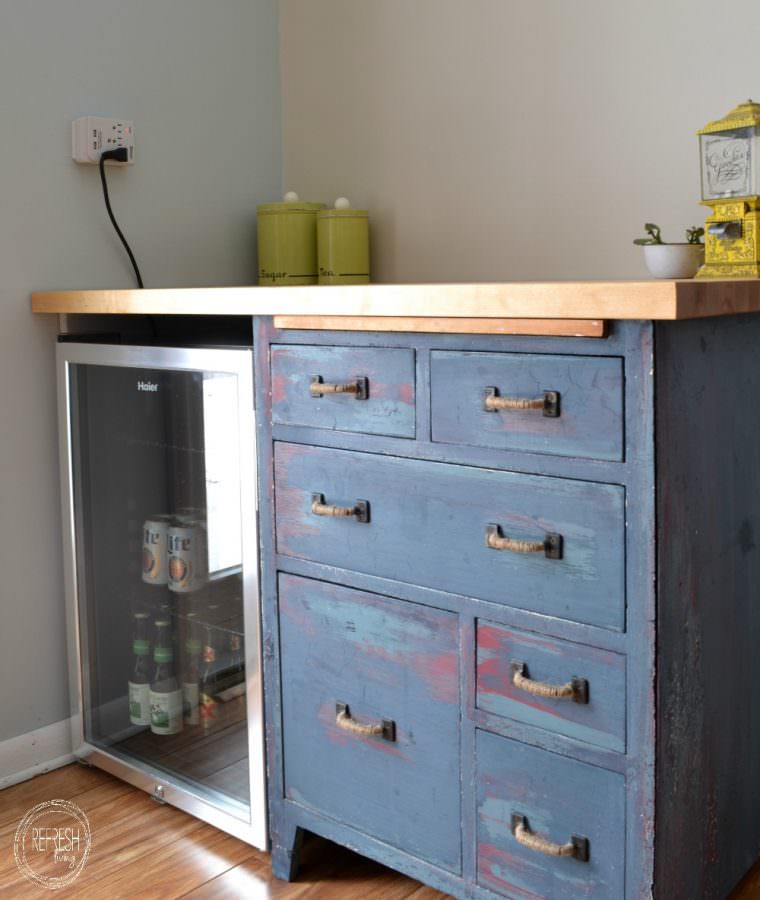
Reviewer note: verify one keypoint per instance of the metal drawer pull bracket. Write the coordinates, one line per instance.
(359, 388)
(320, 508)
(550, 546)
(576, 848)
(386, 729)
(576, 689)
(548, 404)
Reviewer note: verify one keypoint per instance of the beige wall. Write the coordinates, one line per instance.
(507, 139)
(200, 81)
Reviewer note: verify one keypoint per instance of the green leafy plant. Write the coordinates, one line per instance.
(694, 235)
(654, 236)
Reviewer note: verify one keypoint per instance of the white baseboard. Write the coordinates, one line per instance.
(35, 752)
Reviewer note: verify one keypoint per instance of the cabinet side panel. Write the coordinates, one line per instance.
(708, 513)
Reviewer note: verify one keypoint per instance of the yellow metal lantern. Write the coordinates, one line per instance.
(730, 163)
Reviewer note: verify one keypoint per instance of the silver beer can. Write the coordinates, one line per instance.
(155, 558)
(187, 555)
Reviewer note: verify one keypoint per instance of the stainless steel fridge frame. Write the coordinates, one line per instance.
(161, 786)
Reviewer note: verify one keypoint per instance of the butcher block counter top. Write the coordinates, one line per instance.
(563, 307)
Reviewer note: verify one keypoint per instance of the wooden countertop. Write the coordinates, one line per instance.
(378, 305)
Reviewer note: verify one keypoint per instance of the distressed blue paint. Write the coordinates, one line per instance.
(708, 510)
(590, 423)
(631, 341)
(601, 721)
(428, 526)
(559, 797)
(389, 409)
(387, 659)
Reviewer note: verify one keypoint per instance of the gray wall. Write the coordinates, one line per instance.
(200, 81)
(502, 140)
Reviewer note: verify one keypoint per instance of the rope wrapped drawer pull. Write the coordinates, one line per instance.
(576, 848)
(385, 729)
(576, 689)
(358, 388)
(550, 546)
(360, 509)
(548, 404)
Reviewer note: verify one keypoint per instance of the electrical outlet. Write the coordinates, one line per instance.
(92, 135)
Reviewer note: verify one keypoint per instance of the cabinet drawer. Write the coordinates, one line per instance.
(431, 524)
(585, 418)
(518, 672)
(385, 660)
(556, 799)
(375, 395)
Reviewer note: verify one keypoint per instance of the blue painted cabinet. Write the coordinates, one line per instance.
(352, 661)
(509, 605)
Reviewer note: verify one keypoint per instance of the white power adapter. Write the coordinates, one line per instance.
(92, 135)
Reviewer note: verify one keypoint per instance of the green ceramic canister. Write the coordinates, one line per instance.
(287, 241)
(343, 244)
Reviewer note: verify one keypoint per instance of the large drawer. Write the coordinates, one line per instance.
(374, 388)
(530, 799)
(577, 402)
(563, 687)
(441, 526)
(394, 666)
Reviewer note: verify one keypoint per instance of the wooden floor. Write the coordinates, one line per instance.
(140, 849)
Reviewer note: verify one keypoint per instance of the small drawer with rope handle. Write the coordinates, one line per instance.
(534, 403)
(370, 390)
(560, 686)
(547, 825)
(370, 714)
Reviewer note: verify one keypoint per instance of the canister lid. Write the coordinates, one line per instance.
(343, 210)
(290, 203)
(264, 209)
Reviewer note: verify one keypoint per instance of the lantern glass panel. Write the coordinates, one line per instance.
(729, 163)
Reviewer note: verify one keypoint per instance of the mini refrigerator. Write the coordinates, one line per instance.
(160, 527)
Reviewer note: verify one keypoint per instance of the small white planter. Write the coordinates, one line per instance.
(674, 260)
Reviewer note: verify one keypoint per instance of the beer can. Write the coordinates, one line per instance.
(187, 555)
(155, 561)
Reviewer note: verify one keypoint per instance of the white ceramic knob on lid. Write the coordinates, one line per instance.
(343, 203)
(291, 197)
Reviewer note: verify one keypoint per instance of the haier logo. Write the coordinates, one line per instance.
(147, 386)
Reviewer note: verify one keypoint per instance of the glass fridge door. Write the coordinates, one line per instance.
(161, 511)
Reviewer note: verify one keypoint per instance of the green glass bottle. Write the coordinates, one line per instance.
(165, 692)
(139, 681)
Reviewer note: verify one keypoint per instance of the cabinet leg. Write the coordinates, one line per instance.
(286, 852)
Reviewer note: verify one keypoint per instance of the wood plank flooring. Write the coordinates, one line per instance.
(156, 852)
(141, 849)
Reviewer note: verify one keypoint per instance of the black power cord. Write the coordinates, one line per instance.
(120, 154)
